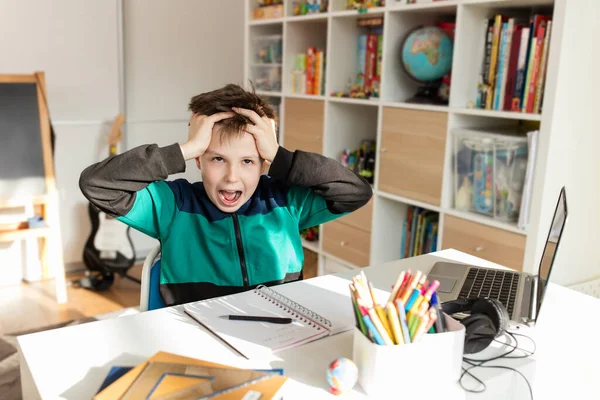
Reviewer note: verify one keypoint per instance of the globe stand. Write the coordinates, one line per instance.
(428, 94)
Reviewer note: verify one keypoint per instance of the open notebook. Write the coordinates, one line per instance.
(255, 338)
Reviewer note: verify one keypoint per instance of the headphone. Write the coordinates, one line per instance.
(488, 320)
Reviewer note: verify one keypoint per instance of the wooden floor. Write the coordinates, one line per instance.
(32, 305)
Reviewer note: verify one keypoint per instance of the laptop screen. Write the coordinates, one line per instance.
(552, 242)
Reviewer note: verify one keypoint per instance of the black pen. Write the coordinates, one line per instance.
(274, 320)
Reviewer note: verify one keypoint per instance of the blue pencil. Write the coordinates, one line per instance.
(373, 330)
(403, 323)
(412, 299)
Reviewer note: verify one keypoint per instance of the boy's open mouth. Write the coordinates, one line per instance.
(229, 197)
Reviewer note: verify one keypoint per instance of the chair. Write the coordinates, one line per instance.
(150, 296)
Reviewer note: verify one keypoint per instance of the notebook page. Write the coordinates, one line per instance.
(251, 338)
(328, 296)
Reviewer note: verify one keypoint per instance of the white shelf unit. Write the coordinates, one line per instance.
(346, 121)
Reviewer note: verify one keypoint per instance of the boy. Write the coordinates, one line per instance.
(236, 229)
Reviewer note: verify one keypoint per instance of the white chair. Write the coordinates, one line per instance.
(149, 293)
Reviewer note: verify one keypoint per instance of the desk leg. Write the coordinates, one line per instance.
(28, 388)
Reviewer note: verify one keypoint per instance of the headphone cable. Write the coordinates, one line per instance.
(480, 363)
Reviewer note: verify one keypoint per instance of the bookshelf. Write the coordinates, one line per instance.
(414, 142)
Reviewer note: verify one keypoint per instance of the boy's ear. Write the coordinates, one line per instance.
(198, 163)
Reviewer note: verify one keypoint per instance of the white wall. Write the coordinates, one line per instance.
(173, 50)
(573, 149)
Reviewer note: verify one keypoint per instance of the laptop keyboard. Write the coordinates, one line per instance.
(500, 285)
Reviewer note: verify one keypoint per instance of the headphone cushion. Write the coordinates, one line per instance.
(479, 332)
(496, 312)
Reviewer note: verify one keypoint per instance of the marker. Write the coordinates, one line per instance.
(440, 322)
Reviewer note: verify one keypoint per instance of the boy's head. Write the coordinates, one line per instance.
(231, 165)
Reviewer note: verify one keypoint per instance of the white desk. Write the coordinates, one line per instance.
(72, 362)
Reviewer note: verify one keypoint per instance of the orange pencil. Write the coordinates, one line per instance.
(411, 287)
(396, 287)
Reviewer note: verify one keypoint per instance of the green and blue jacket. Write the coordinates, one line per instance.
(206, 252)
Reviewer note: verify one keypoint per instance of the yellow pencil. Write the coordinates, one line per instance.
(392, 315)
(421, 328)
(384, 320)
(377, 322)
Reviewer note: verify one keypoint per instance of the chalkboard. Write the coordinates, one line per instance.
(22, 171)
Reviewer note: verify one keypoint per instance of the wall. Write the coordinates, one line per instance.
(170, 53)
(173, 51)
(572, 151)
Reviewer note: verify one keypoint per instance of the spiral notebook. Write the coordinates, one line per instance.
(253, 339)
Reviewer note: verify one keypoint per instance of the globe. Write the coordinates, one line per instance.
(342, 375)
(427, 53)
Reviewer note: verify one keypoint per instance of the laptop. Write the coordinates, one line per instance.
(521, 293)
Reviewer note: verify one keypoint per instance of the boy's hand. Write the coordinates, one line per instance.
(264, 133)
(200, 133)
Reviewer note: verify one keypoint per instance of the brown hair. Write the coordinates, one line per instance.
(224, 99)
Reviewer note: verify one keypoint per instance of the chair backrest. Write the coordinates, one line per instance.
(150, 298)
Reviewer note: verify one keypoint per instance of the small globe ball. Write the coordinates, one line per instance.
(427, 53)
(342, 375)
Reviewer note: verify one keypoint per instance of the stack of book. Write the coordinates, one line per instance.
(419, 232)
(170, 376)
(369, 48)
(514, 63)
(308, 76)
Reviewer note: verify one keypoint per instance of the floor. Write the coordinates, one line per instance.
(32, 305)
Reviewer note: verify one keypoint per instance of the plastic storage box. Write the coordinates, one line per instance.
(266, 62)
(489, 172)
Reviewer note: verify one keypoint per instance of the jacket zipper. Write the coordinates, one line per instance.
(240, 246)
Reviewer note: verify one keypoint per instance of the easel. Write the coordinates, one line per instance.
(44, 205)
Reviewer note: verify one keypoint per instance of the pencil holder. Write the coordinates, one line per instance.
(432, 363)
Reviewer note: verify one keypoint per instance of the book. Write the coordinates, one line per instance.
(542, 75)
(506, 49)
(361, 58)
(512, 67)
(268, 388)
(500, 68)
(517, 103)
(498, 20)
(310, 70)
(204, 380)
(115, 373)
(255, 339)
(170, 384)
